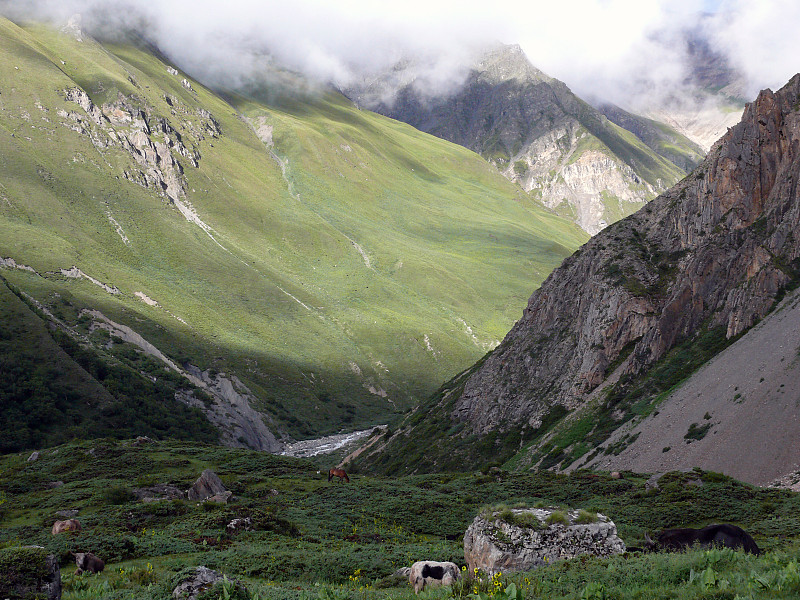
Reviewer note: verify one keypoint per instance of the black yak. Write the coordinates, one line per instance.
(720, 536)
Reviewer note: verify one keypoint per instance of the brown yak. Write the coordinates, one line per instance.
(86, 561)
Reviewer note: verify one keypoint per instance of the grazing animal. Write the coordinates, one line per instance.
(722, 535)
(338, 473)
(68, 525)
(86, 561)
(429, 572)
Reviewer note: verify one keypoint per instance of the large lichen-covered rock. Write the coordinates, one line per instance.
(29, 573)
(523, 539)
(195, 581)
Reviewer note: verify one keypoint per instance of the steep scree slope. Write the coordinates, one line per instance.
(743, 406)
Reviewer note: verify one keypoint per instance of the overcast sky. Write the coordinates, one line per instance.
(598, 47)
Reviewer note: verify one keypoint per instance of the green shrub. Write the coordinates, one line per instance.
(697, 432)
(117, 494)
(585, 517)
(557, 518)
(226, 590)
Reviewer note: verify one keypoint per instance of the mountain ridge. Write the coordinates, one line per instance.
(667, 287)
(311, 272)
(559, 148)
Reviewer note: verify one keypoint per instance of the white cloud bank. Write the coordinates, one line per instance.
(600, 48)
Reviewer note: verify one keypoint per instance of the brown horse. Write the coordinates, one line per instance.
(338, 473)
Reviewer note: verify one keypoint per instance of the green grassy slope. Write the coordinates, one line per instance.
(339, 288)
(659, 137)
(309, 534)
(53, 390)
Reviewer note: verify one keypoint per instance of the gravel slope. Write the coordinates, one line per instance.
(751, 392)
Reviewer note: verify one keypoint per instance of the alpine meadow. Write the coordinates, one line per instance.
(355, 301)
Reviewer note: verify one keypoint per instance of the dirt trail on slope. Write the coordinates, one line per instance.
(751, 392)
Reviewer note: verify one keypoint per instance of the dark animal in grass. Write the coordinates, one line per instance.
(429, 572)
(719, 536)
(86, 561)
(68, 525)
(338, 473)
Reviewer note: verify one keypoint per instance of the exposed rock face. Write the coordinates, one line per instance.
(745, 398)
(151, 140)
(493, 545)
(232, 409)
(714, 251)
(535, 130)
(207, 485)
(232, 412)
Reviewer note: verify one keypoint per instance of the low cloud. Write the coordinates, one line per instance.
(606, 49)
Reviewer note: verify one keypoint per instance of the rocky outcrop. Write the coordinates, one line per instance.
(154, 493)
(523, 539)
(208, 485)
(231, 407)
(534, 129)
(742, 401)
(194, 583)
(231, 411)
(713, 252)
(150, 140)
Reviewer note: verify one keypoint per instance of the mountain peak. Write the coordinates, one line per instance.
(508, 63)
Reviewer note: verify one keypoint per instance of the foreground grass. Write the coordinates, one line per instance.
(312, 539)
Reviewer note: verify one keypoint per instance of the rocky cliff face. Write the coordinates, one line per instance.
(714, 251)
(535, 131)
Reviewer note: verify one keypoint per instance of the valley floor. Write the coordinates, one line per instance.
(315, 539)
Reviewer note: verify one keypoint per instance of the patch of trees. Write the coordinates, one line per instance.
(46, 400)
